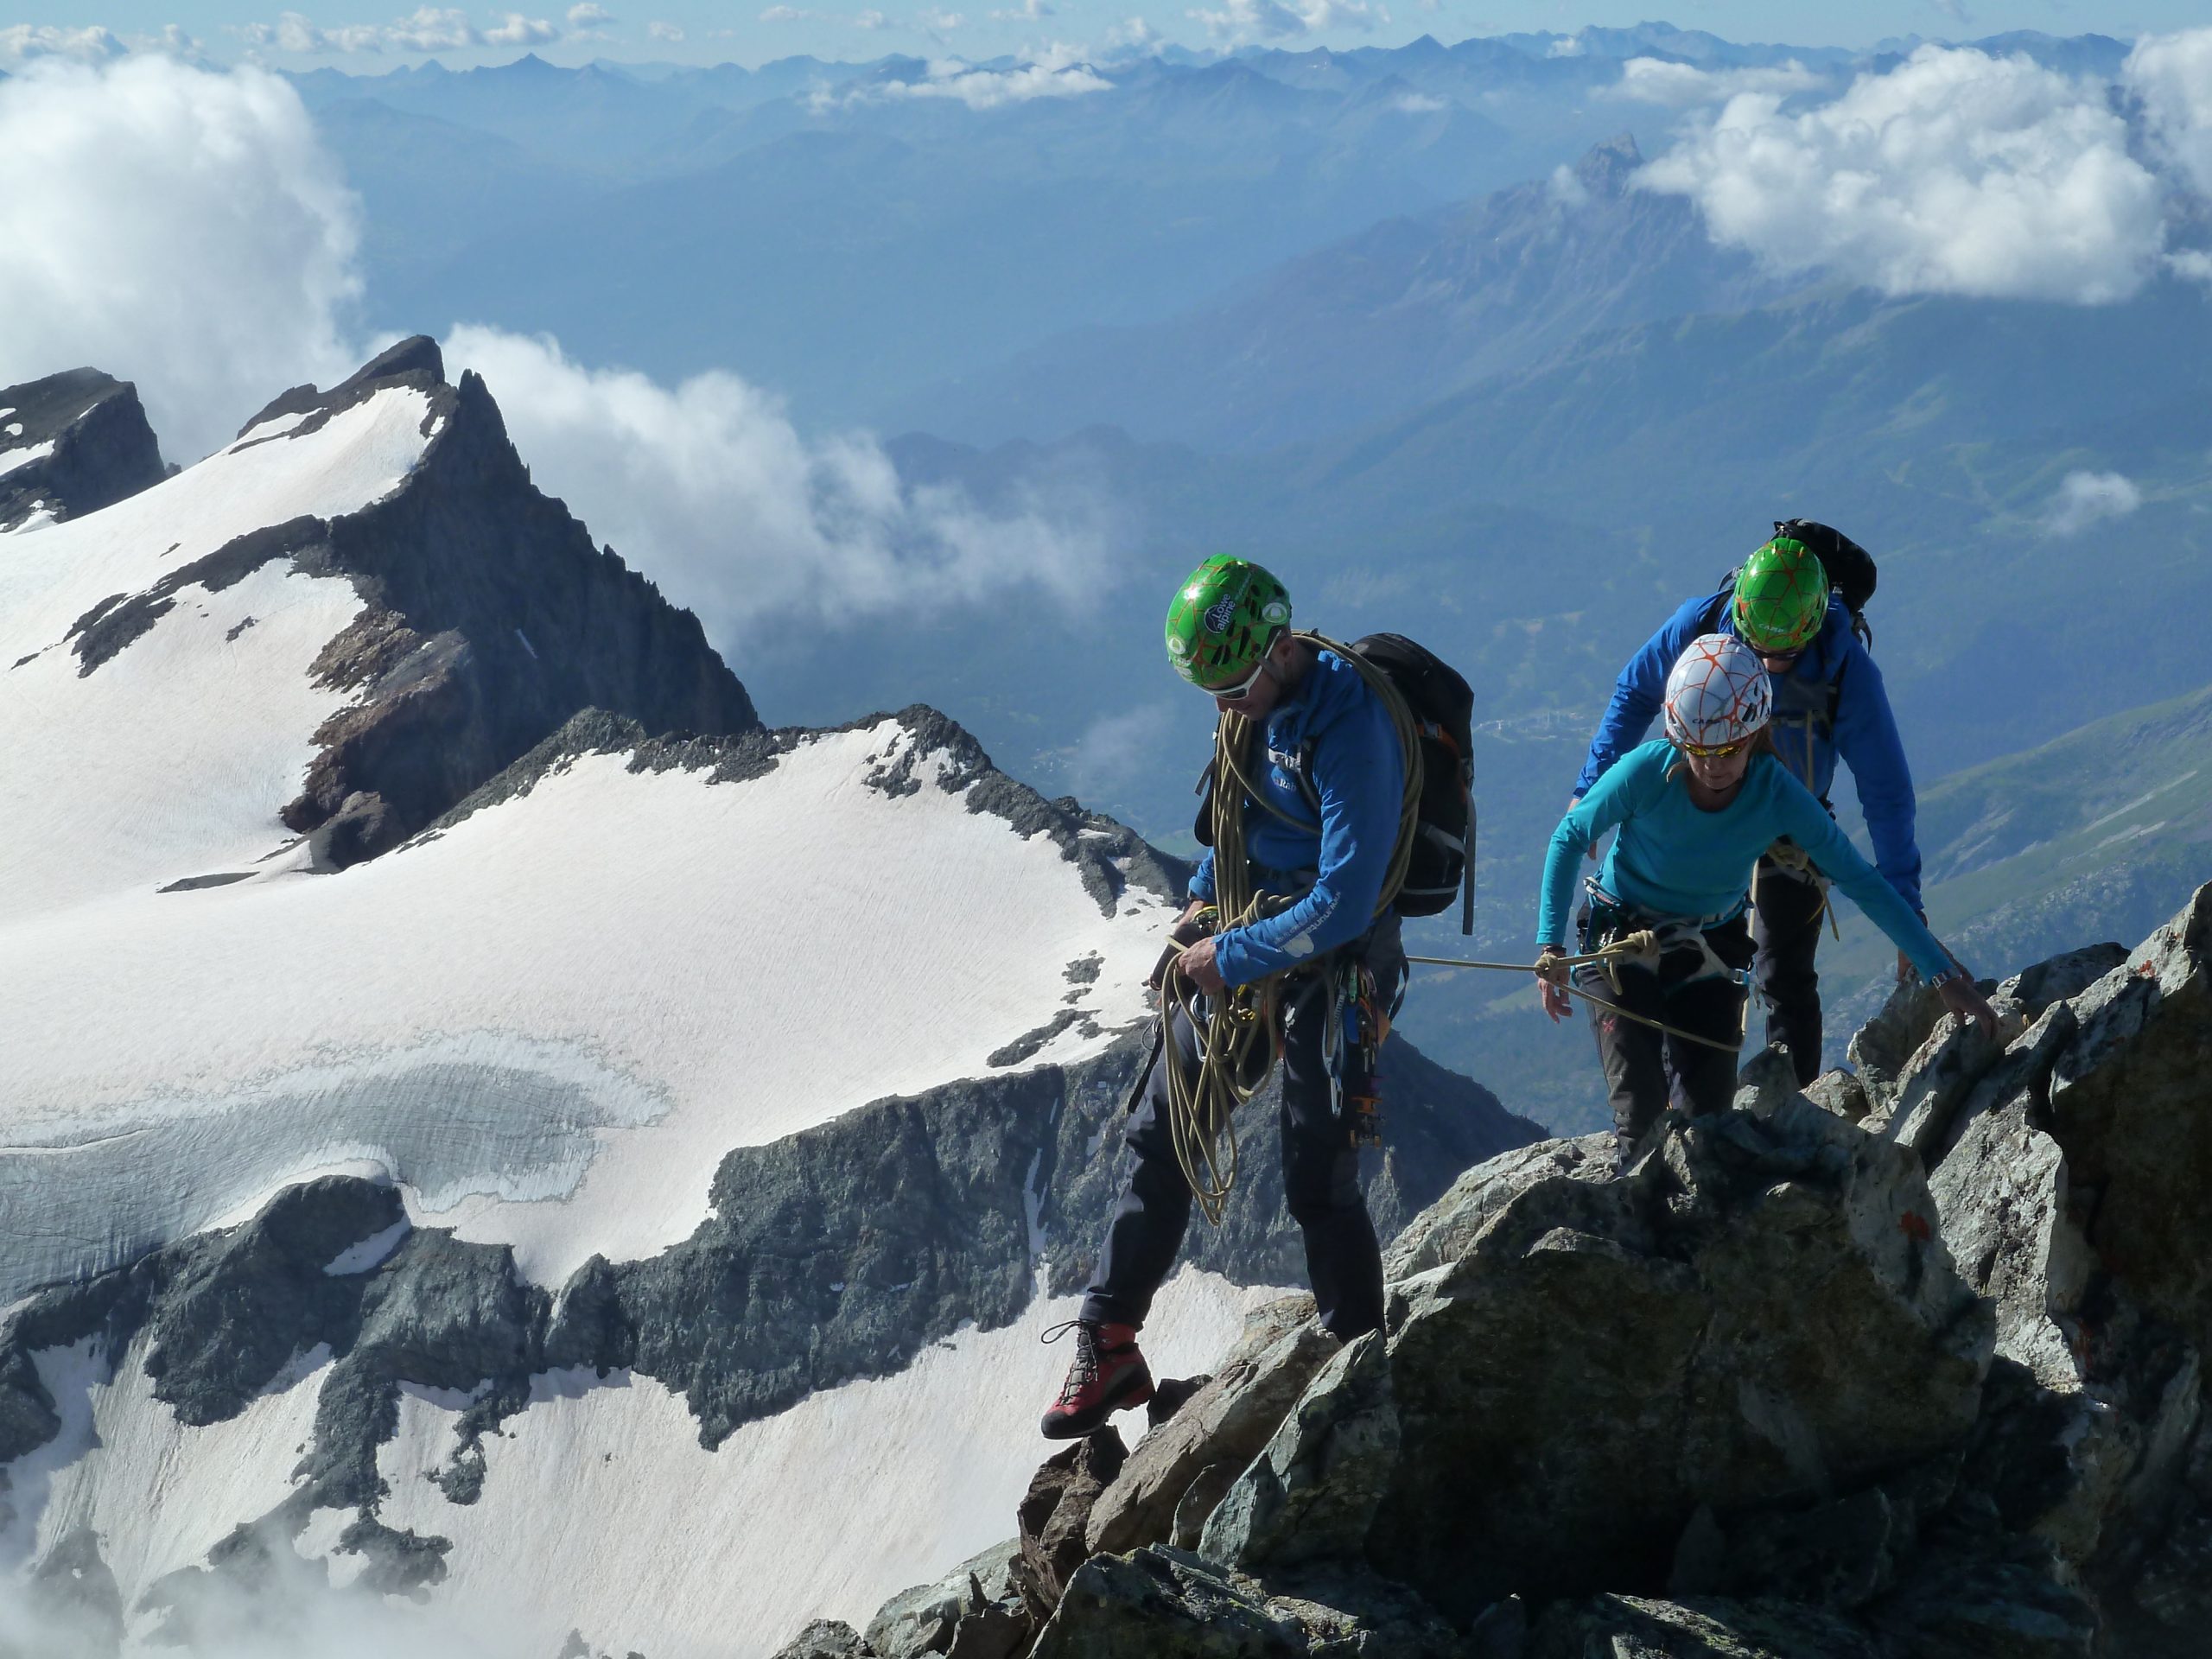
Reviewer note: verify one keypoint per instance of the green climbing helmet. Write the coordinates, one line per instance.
(1226, 616)
(1782, 597)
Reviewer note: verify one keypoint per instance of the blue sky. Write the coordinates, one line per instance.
(384, 32)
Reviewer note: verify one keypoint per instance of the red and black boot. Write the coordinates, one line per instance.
(1108, 1375)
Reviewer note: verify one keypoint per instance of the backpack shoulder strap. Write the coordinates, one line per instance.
(1717, 607)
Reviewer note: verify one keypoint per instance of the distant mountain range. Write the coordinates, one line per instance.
(851, 234)
(1394, 317)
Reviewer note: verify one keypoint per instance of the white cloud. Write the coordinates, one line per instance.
(427, 28)
(1135, 34)
(979, 89)
(942, 22)
(26, 42)
(710, 491)
(658, 31)
(1566, 188)
(871, 20)
(1419, 103)
(1566, 46)
(293, 33)
(175, 227)
(1116, 750)
(783, 15)
(2086, 498)
(589, 16)
(1683, 85)
(1273, 20)
(432, 28)
(1029, 11)
(519, 30)
(1956, 173)
(2172, 75)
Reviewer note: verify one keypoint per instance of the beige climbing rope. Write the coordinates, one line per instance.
(1642, 949)
(1240, 1032)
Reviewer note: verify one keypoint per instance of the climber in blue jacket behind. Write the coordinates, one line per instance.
(1829, 704)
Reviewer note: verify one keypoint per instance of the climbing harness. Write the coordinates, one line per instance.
(1796, 864)
(1240, 1031)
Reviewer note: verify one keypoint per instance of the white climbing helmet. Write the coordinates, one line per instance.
(1717, 695)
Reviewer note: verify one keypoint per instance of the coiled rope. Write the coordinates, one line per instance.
(1240, 1032)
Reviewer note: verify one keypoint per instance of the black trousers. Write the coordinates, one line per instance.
(1646, 1069)
(1786, 929)
(1320, 1171)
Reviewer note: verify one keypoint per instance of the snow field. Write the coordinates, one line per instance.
(172, 758)
(159, 1494)
(600, 1511)
(548, 1024)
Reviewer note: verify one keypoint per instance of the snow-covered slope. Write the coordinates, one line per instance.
(168, 758)
(550, 1020)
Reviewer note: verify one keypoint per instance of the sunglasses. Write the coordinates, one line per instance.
(1242, 687)
(1714, 751)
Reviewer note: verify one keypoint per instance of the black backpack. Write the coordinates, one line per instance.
(1443, 705)
(1442, 863)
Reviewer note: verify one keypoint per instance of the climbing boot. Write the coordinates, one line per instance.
(1107, 1375)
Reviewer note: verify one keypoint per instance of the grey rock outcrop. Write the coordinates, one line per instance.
(927, 1618)
(1312, 1493)
(826, 1638)
(1761, 1316)
(1638, 1627)
(96, 447)
(1159, 1601)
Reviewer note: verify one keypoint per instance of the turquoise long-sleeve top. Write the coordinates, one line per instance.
(1672, 858)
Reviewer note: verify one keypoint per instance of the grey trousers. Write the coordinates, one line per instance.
(1320, 1172)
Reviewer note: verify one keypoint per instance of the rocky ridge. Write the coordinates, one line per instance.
(1906, 1366)
(71, 444)
(488, 619)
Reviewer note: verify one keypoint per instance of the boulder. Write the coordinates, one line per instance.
(2002, 1194)
(924, 1618)
(1224, 1423)
(1055, 1514)
(1158, 1602)
(826, 1638)
(2128, 1104)
(1942, 1071)
(1986, 1607)
(1842, 1093)
(1312, 1493)
(1635, 1627)
(1442, 1232)
(1762, 1316)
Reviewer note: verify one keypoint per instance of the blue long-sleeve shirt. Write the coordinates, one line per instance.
(1672, 858)
(1339, 731)
(1865, 735)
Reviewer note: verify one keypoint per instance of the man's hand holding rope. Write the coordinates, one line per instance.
(1197, 961)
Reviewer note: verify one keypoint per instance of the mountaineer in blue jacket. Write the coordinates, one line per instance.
(1323, 826)
(1828, 705)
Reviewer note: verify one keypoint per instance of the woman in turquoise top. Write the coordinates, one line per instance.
(1694, 812)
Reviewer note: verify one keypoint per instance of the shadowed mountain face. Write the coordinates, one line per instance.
(1378, 324)
(71, 444)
